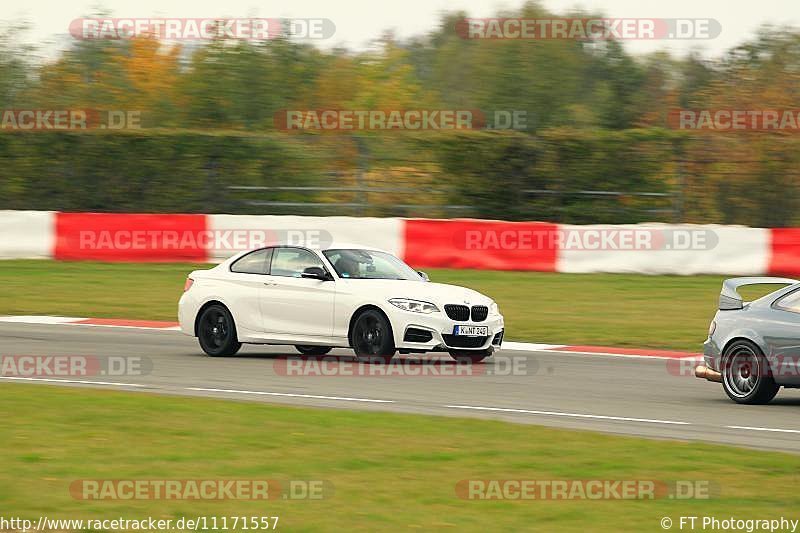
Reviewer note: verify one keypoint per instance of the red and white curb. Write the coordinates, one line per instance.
(610, 351)
(96, 322)
(155, 325)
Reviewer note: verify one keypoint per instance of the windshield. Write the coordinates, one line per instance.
(369, 264)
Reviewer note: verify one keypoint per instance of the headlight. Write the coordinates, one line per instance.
(494, 309)
(712, 328)
(415, 306)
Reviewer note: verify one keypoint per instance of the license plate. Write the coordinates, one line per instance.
(471, 331)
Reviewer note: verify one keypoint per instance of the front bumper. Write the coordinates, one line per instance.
(440, 327)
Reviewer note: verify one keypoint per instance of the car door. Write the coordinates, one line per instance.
(245, 286)
(294, 306)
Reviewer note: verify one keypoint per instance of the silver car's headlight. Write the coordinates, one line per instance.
(415, 306)
(494, 309)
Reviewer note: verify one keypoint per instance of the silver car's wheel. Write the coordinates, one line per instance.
(746, 376)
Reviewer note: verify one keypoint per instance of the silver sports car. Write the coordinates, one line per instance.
(753, 348)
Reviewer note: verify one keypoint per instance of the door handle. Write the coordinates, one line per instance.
(270, 283)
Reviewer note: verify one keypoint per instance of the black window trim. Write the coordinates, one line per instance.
(777, 303)
(268, 264)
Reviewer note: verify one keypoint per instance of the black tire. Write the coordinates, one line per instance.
(313, 350)
(746, 376)
(372, 338)
(216, 332)
(470, 356)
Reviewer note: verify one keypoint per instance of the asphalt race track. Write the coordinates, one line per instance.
(632, 396)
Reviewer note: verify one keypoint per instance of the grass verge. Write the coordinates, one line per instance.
(389, 471)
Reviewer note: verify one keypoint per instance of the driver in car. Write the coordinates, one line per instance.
(347, 267)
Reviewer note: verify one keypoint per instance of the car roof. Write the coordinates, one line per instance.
(321, 247)
(316, 247)
(348, 246)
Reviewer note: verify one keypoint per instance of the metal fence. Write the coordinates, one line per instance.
(357, 200)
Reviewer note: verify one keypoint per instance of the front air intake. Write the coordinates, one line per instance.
(417, 335)
(458, 341)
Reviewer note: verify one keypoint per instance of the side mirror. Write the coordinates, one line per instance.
(316, 273)
(423, 275)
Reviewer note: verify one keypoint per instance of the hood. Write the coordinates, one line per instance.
(436, 293)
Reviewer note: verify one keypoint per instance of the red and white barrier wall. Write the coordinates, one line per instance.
(423, 243)
(27, 234)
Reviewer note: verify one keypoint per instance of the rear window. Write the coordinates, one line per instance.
(253, 263)
(790, 302)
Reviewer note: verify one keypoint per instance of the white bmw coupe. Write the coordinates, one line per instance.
(335, 297)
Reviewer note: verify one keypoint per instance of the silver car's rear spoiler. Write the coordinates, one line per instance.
(729, 297)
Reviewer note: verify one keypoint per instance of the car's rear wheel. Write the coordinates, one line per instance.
(746, 376)
(470, 356)
(216, 332)
(313, 350)
(372, 337)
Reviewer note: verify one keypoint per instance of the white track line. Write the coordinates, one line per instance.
(75, 321)
(370, 400)
(144, 328)
(530, 346)
(765, 429)
(698, 357)
(290, 395)
(78, 381)
(38, 319)
(570, 415)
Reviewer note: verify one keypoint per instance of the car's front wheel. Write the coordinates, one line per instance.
(313, 350)
(216, 332)
(372, 337)
(746, 376)
(470, 356)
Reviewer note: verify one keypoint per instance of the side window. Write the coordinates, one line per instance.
(290, 262)
(253, 263)
(790, 302)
